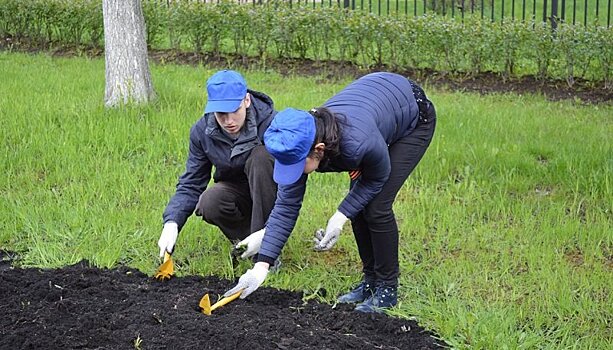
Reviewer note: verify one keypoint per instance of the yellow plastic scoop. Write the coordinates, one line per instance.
(205, 302)
(167, 269)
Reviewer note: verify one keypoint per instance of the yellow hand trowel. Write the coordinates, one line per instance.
(167, 269)
(207, 308)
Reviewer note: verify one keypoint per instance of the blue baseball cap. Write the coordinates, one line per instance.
(289, 139)
(226, 89)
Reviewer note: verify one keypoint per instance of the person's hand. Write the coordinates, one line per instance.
(168, 238)
(250, 280)
(332, 233)
(253, 242)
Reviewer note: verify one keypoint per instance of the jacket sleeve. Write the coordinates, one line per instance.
(192, 183)
(282, 219)
(376, 168)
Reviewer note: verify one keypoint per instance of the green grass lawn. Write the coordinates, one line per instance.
(506, 225)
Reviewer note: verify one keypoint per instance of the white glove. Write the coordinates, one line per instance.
(333, 232)
(250, 280)
(168, 238)
(253, 243)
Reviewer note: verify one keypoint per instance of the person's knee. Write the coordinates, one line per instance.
(259, 158)
(378, 214)
(208, 207)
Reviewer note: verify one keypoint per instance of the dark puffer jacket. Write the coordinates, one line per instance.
(209, 146)
(376, 110)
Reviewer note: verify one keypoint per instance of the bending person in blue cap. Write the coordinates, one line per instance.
(228, 137)
(377, 129)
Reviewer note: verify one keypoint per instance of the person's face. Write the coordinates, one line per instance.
(233, 122)
(314, 158)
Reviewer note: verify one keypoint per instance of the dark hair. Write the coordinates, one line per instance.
(327, 130)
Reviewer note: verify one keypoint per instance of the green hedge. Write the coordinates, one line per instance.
(65, 21)
(471, 46)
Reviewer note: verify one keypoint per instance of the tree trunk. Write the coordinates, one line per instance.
(128, 78)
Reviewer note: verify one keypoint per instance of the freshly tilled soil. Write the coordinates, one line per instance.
(83, 307)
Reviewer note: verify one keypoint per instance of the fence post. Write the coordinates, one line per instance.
(554, 14)
(346, 3)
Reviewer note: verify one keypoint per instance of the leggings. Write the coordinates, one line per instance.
(375, 228)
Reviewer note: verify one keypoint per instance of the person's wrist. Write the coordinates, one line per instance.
(170, 223)
(265, 259)
(262, 265)
(342, 217)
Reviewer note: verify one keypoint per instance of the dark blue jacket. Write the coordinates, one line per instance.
(209, 146)
(376, 110)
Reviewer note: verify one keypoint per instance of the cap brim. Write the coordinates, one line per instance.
(288, 174)
(226, 106)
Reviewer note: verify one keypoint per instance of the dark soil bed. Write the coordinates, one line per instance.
(82, 307)
(582, 91)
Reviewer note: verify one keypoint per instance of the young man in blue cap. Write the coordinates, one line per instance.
(377, 129)
(228, 137)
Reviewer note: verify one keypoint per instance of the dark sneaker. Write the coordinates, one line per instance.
(384, 297)
(363, 291)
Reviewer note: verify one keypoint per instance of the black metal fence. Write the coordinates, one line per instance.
(585, 12)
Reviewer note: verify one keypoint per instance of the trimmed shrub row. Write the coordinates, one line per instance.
(470, 46)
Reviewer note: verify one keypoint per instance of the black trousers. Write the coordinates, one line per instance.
(375, 228)
(239, 209)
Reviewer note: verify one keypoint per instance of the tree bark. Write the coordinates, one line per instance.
(128, 78)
